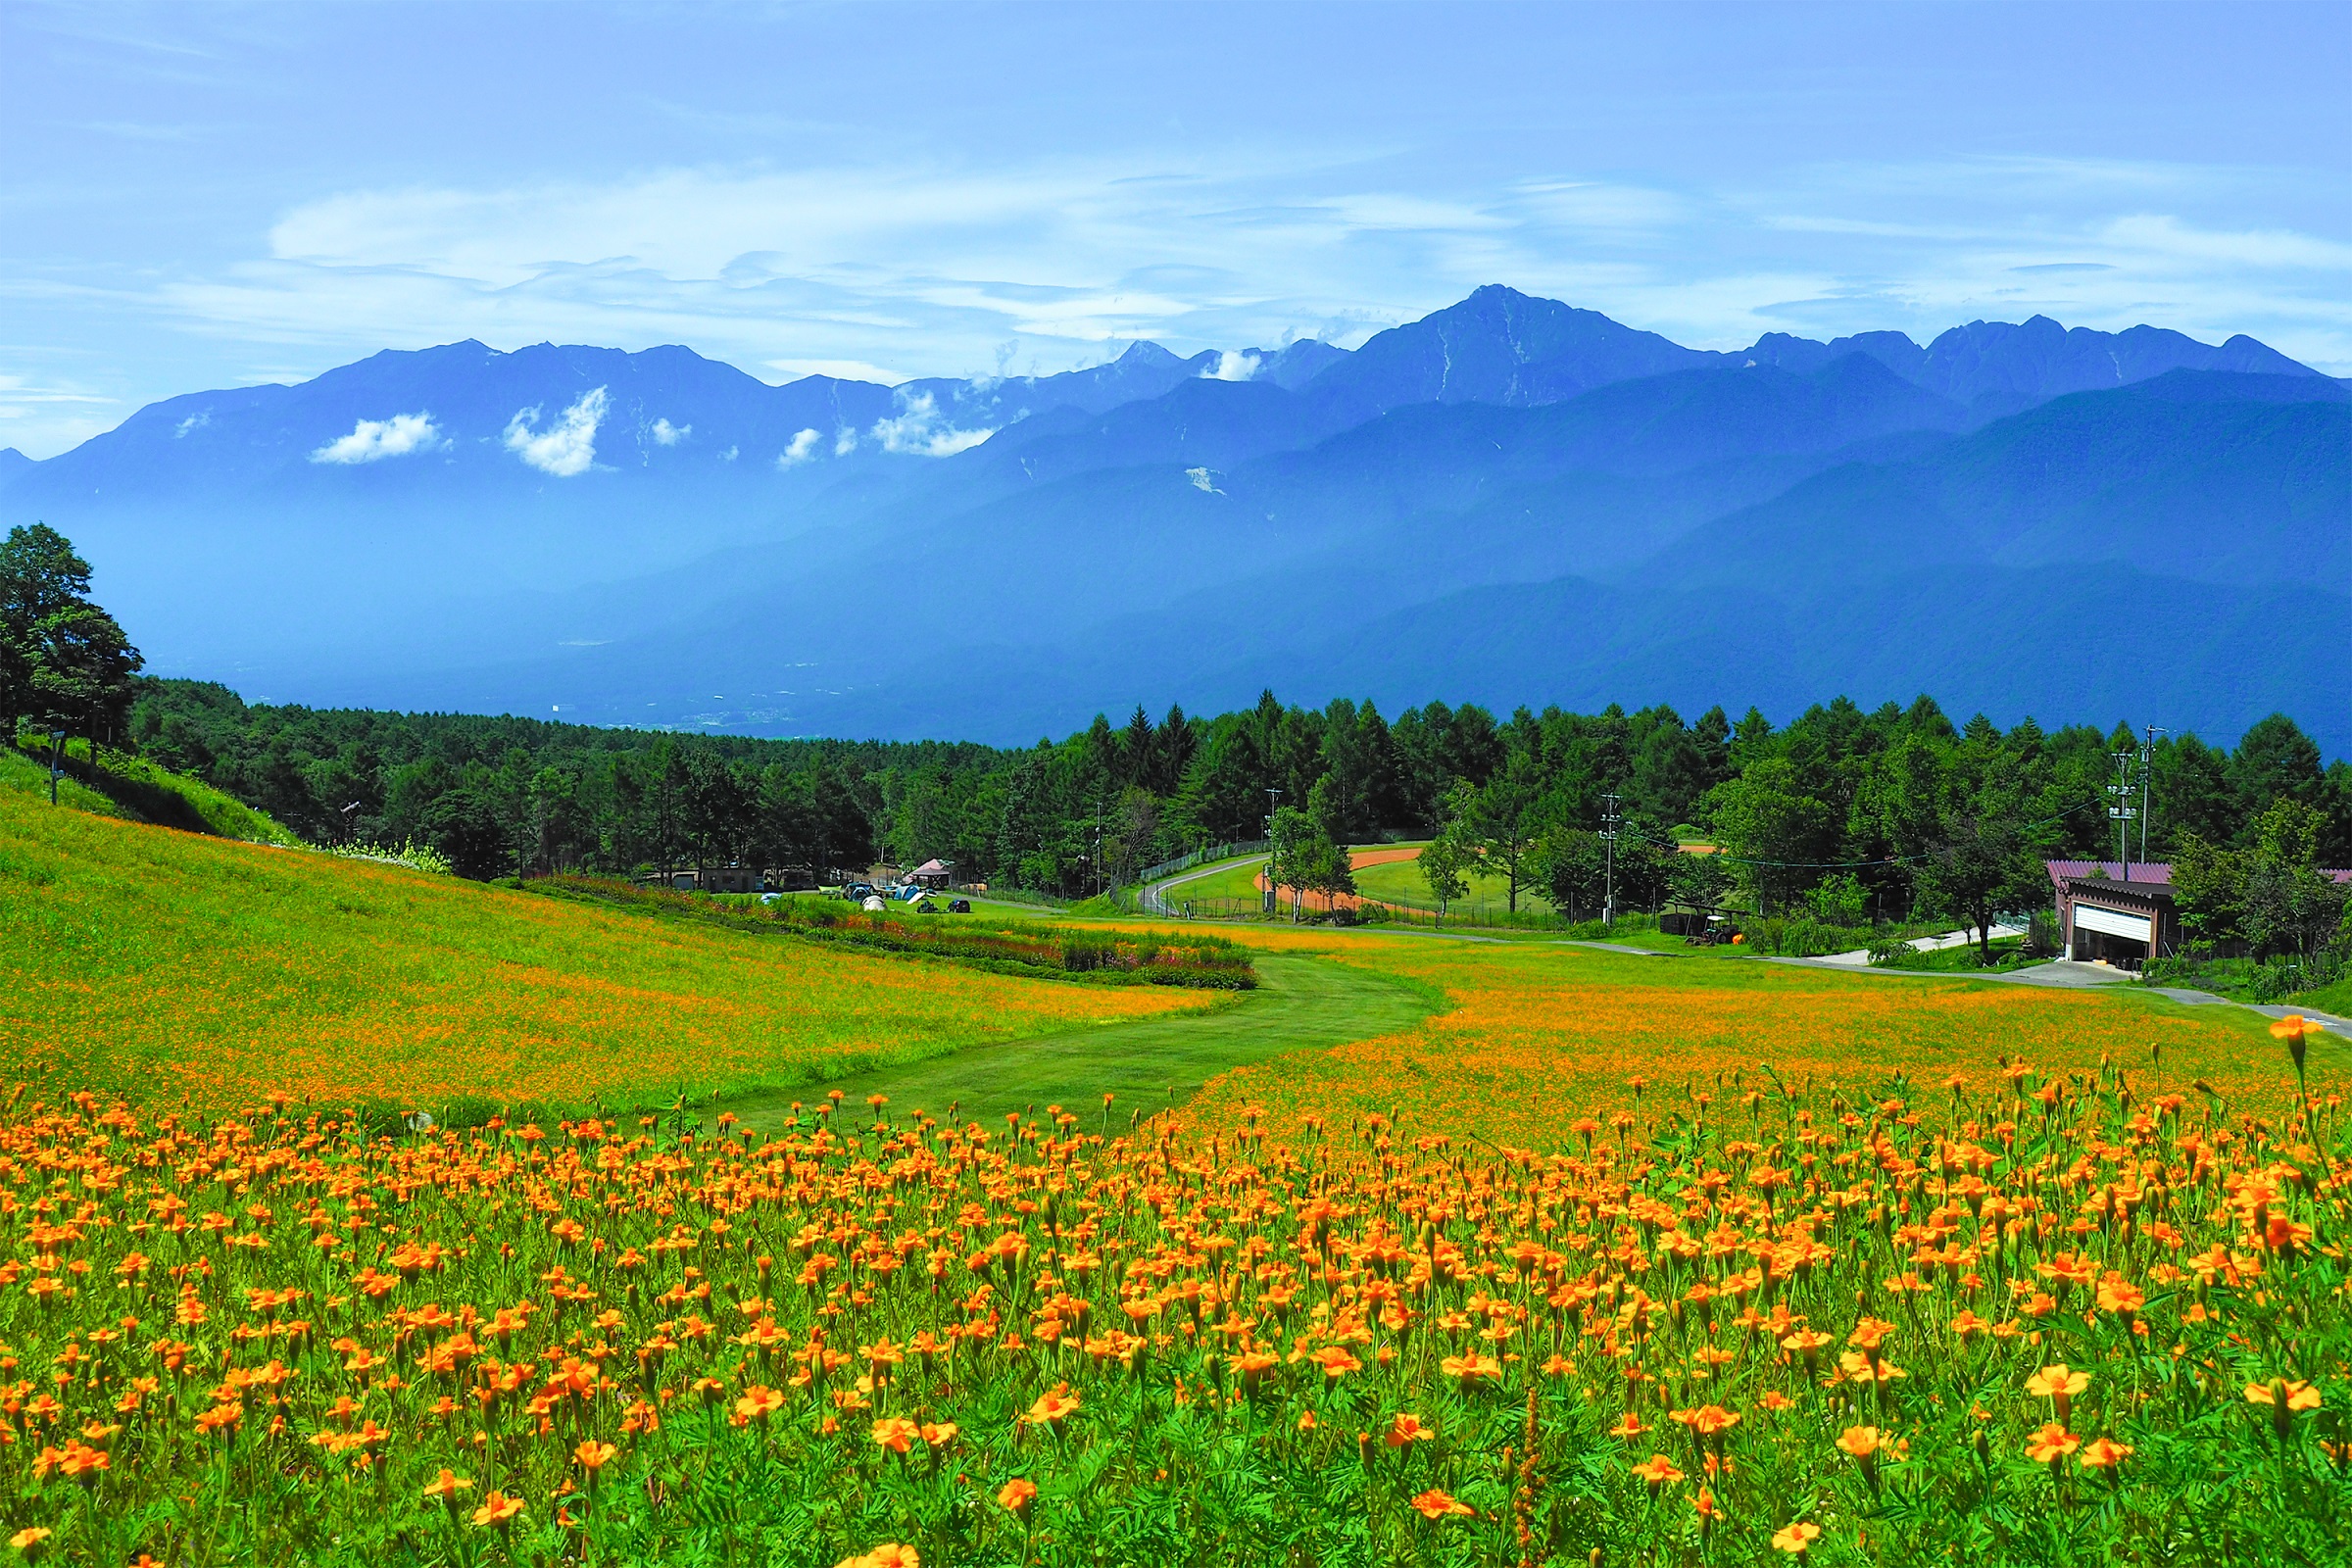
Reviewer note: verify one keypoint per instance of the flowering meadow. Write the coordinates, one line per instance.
(1535, 1035)
(179, 968)
(2064, 1317)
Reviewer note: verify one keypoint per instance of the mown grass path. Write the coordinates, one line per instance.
(1301, 1002)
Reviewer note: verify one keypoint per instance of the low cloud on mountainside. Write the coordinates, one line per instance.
(568, 448)
(374, 440)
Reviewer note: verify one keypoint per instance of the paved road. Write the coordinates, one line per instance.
(2065, 974)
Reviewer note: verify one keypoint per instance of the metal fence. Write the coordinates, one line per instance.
(1201, 857)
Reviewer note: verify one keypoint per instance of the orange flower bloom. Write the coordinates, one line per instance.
(2295, 1396)
(1469, 1369)
(896, 1432)
(1658, 1470)
(759, 1403)
(1017, 1497)
(1053, 1407)
(1407, 1429)
(1436, 1505)
(594, 1455)
(447, 1488)
(497, 1509)
(2051, 1444)
(1797, 1538)
(1864, 1442)
(2103, 1453)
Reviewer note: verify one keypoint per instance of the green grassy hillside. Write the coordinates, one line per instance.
(173, 966)
(136, 790)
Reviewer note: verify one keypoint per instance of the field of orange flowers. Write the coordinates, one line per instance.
(191, 970)
(2057, 1318)
(1537, 1035)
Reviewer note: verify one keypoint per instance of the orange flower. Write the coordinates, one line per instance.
(1017, 1497)
(1436, 1505)
(2051, 1444)
(1405, 1430)
(1864, 1442)
(1053, 1407)
(895, 1433)
(1469, 1369)
(2293, 1396)
(594, 1455)
(447, 1488)
(1797, 1538)
(1628, 1425)
(497, 1509)
(2103, 1453)
(890, 1555)
(1658, 1470)
(1713, 1420)
(2059, 1384)
(1335, 1361)
(939, 1435)
(759, 1403)
(28, 1540)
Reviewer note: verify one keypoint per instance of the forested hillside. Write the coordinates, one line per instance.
(1838, 785)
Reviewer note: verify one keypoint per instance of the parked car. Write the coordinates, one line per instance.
(959, 905)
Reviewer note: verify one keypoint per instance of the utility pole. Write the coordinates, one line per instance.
(1273, 850)
(2147, 766)
(2122, 811)
(1609, 819)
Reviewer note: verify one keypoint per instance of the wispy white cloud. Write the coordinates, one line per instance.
(845, 441)
(194, 421)
(567, 448)
(667, 434)
(919, 428)
(800, 450)
(374, 440)
(1233, 365)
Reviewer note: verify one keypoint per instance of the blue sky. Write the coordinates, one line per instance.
(200, 196)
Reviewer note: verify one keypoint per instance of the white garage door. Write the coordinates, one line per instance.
(2116, 923)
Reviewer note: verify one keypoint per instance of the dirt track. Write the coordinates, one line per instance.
(1357, 860)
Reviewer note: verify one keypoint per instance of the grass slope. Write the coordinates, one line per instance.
(169, 966)
(138, 790)
(1302, 1002)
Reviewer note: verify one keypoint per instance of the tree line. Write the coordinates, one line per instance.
(1851, 813)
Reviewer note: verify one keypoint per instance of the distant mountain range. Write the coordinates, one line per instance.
(1510, 500)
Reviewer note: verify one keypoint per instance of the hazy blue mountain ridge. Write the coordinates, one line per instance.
(660, 538)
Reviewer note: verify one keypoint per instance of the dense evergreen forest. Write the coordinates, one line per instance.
(1863, 808)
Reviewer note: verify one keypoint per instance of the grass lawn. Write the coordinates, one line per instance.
(1301, 1002)
(1228, 879)
(174, 967)
(1401, 882)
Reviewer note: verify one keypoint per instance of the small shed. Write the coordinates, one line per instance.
(2112, 911)
(931, 875)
